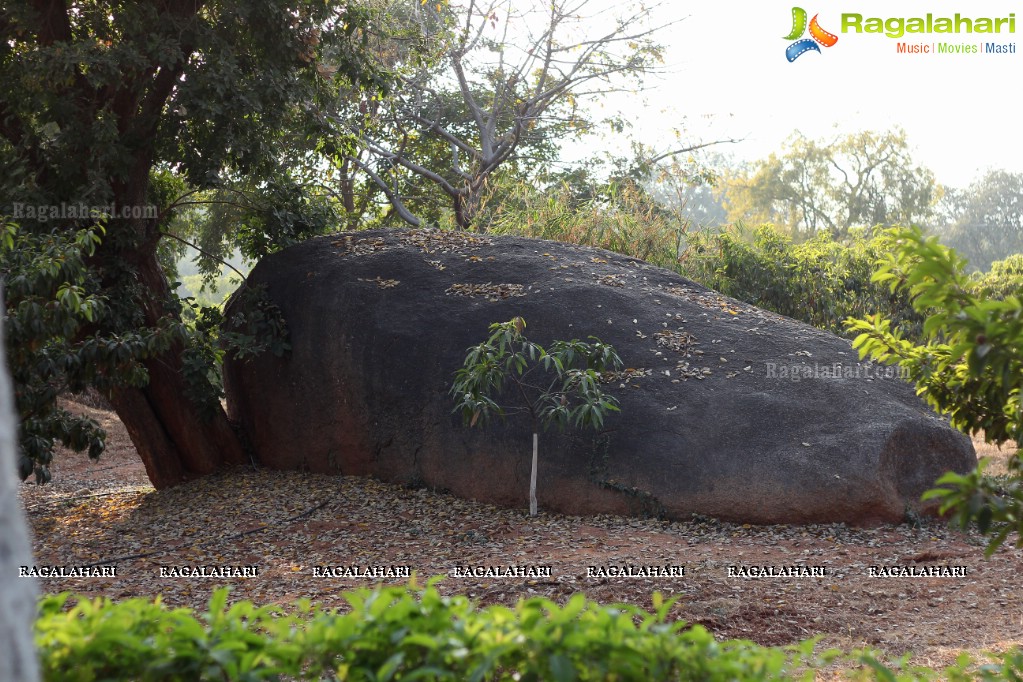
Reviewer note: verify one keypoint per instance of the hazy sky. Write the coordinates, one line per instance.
(730, 78)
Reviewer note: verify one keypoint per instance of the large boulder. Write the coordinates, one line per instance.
(726, 410)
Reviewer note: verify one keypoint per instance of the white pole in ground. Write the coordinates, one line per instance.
(532, 482)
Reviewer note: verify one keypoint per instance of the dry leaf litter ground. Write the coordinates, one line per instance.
(287, 523)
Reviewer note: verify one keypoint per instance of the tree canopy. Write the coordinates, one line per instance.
(109, 111)
(986, 221)
(861, 179)
(492, 85)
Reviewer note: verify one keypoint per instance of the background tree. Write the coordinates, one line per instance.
(319, 167)
(98, 95)
(17, 595)
(505, 83)
(986, 221)
(644, 204)
(862, 179)
(1005, 278)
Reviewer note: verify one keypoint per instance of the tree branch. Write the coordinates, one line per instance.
(448, 188)
(392, 197)
(693, 148)
(206, 253)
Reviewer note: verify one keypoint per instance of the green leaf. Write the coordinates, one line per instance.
(562, 669)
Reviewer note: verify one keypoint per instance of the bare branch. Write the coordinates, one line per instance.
(691, 148)
(392, 197)
(414, 167)
(206, 253)
(508, 84)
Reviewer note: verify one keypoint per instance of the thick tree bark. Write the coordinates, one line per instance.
(467, 204)
(17, 595)
(462, 217)
(174, 439)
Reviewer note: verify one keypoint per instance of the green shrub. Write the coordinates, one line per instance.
(142, 640)
(391, 633)
(820, 281)
(617, 216)
(969, 366)
(405, 633)
(1005, 278)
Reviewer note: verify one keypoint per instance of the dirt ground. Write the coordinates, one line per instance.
(287, 524)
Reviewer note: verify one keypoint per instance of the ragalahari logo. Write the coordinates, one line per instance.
(817, 35)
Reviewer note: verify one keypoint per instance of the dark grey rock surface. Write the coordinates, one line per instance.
(718, 415)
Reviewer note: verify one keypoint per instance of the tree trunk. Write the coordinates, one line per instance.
(174, 439)
(462, 215)
(17, 594)
(467, 204)
(532, 481)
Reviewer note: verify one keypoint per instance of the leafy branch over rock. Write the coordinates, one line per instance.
(970, 367)
(556, 386)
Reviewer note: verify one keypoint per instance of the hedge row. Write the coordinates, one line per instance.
(408, 633)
